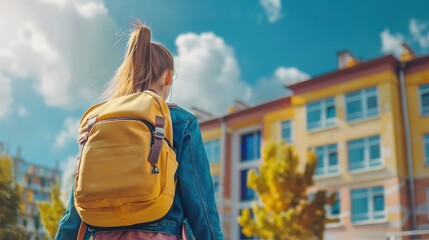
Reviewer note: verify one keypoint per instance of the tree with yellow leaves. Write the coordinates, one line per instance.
(9, 202)
(51, 213)
(284, 210)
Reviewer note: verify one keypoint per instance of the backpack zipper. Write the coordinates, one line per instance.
(145, 122)
(84, 137)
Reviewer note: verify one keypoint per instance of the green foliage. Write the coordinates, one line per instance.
(285, 212)
(10, 201)
(51, 213)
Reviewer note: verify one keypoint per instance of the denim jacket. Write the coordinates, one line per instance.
(194, 201)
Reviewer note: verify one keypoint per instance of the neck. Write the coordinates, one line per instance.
(156, 91)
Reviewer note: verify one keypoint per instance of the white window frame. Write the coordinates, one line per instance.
(210, 144)
(288, 123)
(328, 170)
(363, 97)
(423, 89)
(328, 208)
(367, 155)
(371, 212)
(324, 121)
(237, 166)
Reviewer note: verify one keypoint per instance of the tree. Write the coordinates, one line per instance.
(51, 213)
(10, 201)
(284, 210)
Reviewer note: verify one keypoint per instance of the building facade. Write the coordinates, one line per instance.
(417, 92)
(358, 120)
(36, 182)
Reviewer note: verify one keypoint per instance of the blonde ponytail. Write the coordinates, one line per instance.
(143, 63)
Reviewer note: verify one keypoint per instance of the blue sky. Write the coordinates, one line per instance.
(56, 56)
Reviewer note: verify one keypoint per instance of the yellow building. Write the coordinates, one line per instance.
(416, 91)
(355, 121)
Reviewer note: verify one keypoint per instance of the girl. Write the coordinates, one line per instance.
(150, 66)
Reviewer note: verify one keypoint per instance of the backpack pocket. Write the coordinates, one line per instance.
(114, 169)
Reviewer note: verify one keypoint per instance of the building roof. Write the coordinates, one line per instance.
(259, 109)
(345, 74)
(417, 64)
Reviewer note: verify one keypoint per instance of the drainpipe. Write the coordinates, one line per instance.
(222, 172)
(408, 147)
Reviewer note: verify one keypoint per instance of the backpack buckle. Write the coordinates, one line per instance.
(155, 169)
(83, 138)
(159, 132)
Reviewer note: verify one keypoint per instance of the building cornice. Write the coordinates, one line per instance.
(258, 110)
(362, 69)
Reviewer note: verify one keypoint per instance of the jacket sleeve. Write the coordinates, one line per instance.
(69, 224)
(196, 186)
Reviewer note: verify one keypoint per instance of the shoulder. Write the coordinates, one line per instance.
(181, 116)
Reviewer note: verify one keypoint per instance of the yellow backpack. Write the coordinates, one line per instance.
(126, 162)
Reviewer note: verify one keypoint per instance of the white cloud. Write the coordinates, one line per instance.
(273, 9)
(58, 3)
(67, 167)
(68, 133)
(290, 75)
(274, 86)
(209, 76)
(391, 43)
(420, 32)
(5, 95)
(22, 111)
(37, 41)
(86, 9)
(35, 56)
(91, 9)
(208, 73)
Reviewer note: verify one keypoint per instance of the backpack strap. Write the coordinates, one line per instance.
(82, 230)
(157, 143)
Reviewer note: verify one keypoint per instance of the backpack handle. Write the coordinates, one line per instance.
(157, 143)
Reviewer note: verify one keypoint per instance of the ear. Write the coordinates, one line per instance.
(168, 79)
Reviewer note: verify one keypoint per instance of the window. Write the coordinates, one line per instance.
(287, 131)
(29, 181)
(216, 187)
(321, 114)
(246, 194)
(426, 142)
(248, 157)
(250, 146)
(364, 153)
(42, 182)
(36, 222)
(327, 162)
(334, 210)
(242, 236)
(311, 197)
(424, 99)
(362, 104)
(368, 204)
(213, 151)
